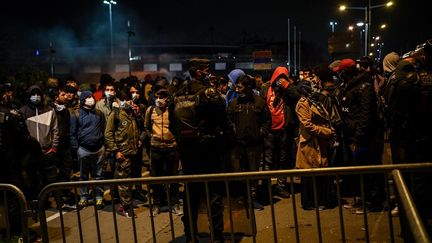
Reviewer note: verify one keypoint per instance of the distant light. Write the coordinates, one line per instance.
(360, 24)
(371, 54)
(383, 26)
(37, 52)
(373, 44)
(342, 7)
(377, 38)
(350, 27)
(347, 45)
(233, 57)
(389, 4)
(109, 2)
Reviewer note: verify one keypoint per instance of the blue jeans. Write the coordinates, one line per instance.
(91, 163)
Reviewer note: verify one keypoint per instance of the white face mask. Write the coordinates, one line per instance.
(135, 96)
(161, 103)
(60, 107)
(109, 94)
(35, 99)
(90, 102)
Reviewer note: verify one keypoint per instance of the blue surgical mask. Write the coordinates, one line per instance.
(35, 99)
(108, 95)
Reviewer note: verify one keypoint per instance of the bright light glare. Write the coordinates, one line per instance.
(350, 27)
(383, 26)
(342, 7)
(360, 24)
(389, 4)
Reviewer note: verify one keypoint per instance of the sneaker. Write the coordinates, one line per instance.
(155, 211)
(82, 204)
(177, 210)
(99, 204)
(395, 212)
(128, 213)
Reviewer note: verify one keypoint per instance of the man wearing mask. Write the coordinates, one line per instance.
(65, 164)
(251, 120)
(41, 121)
(87, 138)
(137, 161)
(163, 150)
(122, 138)
(105, 106)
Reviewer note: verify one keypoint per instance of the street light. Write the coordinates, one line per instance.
(110, 3)
(367, 11)
(332, 24)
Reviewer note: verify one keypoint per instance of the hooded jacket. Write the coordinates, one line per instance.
(282, 103)
(233, 76)
(87, 127)
(41, 121)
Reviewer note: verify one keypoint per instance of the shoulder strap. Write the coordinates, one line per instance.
(151, 113)
(116, 117)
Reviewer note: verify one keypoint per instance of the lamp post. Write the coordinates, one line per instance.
(110, 3)
(367, 17)
(332, 24)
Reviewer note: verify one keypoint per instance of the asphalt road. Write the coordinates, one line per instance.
(378, 225)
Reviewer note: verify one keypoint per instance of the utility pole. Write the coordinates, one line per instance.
(289, 48)
(299, 51)
(130, 33)
(51, 55)
(295, 51)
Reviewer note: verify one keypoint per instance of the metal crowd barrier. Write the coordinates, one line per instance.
(415, 224)
(13, 191)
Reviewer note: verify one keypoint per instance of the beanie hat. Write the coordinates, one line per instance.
(235, 74)
(344, 64)
(390, 62)
(84, 95)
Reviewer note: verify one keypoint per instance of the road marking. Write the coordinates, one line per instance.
(54, 216)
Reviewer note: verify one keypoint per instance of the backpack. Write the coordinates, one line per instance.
(187, 124)
(385, 99)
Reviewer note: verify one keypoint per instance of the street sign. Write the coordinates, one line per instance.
(262, 60)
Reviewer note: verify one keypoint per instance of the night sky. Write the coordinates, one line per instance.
(86, 23)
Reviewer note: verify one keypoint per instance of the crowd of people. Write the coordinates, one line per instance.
(335, 114)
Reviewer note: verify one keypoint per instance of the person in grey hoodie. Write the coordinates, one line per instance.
(41, 121)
